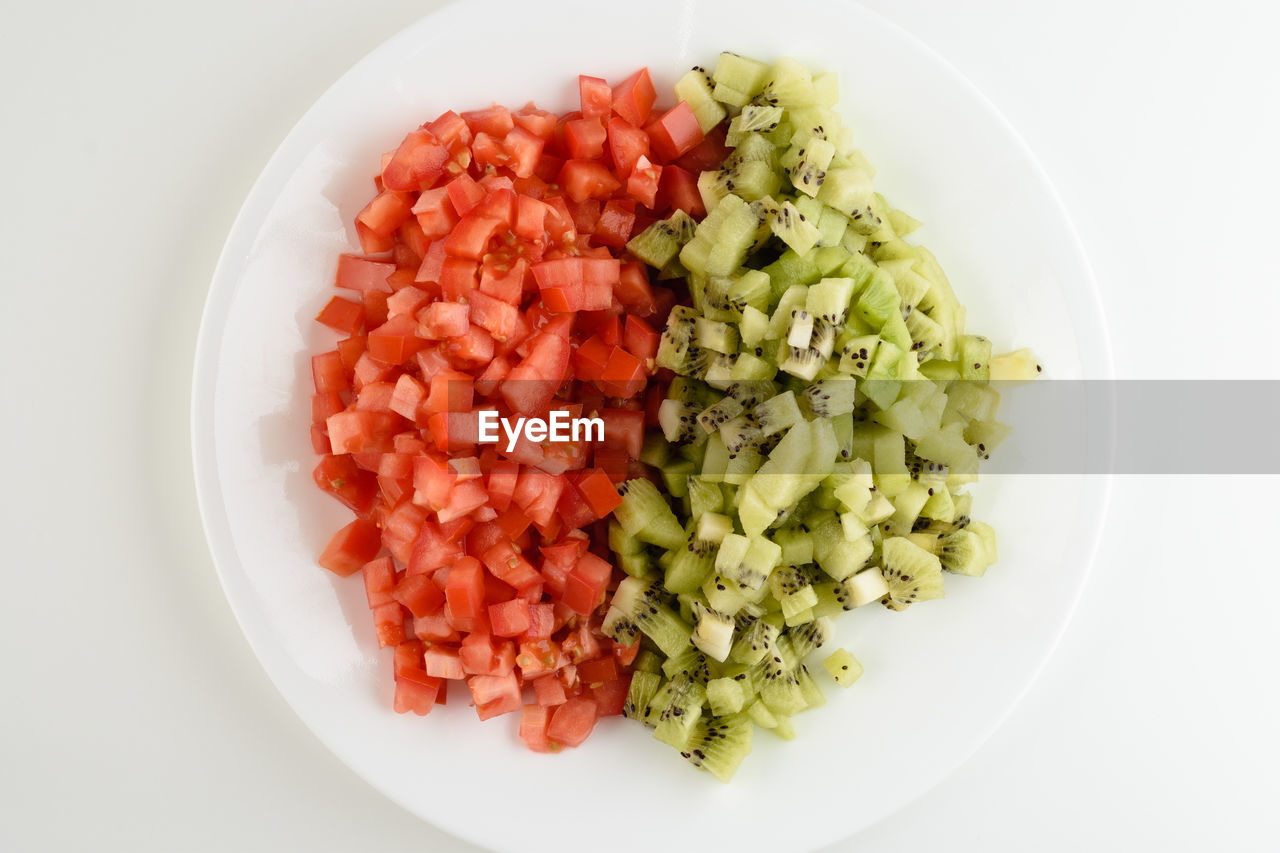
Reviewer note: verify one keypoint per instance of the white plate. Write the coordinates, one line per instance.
(939, 679)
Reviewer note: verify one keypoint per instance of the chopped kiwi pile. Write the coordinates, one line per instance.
(827, 413)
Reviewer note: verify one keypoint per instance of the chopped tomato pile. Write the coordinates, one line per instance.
(494, 277)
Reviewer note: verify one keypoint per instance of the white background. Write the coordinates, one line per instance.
(133, 715)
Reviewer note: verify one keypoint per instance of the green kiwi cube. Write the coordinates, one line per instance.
(741, 73)
(725, 696)
(843, 666)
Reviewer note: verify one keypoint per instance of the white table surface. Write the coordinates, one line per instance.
(134, 716)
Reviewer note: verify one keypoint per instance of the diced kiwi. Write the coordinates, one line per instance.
(696, 88)
(813, 635)
(643, 513)
(827, 410)
(740, 73)
(719, 744)
(843, 666)
(659, 244)
(1017, 366)
(681, 700)
(968, 551)
(637, 606)
(912, 573)
(644, 686)
(715, 416)
(794, 228)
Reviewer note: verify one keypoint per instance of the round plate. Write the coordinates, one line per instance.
(938, 679)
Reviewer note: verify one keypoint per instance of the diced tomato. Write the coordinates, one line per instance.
(584, 138)
(509, 566)
(640, 339)
(464, 498)
(356, 432)
(458, 278)
(500, 236)
(611, 696)
(443, 662)
(493, 315)
(416, 692)
(624, 429)
(674, 133)
(624, 375)
(585, 585)
(538, 122)
(495, 695)
(324, 405)
(644, 183)
(471, 236)
(407, 395)
(375, 305)
(419, 594)
(495, 120)
(395, 341)
(626, 655)
(678, 189)
(509, 618)
(407, 299)
(633, 289)
(590, 358)
(541, 622)
(617, 219)
(585, 215)
(599, 492)
(633, 98)
(379, 581)
(435, 629)
(536, 656)
(480, 655)
(628, 144)
(583, 179)
(572, 722)
(537, 493)
(707, 154)
(435, 213)
(499, 204)
(441, 320)
(487, 151)
(531, 383)
(388, 622)
(451, 129)
(595, 96)
(464, 193)
(328, 374)
(474, 347)
(593, 673)
(450, 391)
(549, 691)
(530, 215)
(431, 551)
(351, 547)
(533, 727)
(416, 164)
(432, 266)
(387, 212)
(343, 315)
(371, 243)
(464, 591)
(339, 476)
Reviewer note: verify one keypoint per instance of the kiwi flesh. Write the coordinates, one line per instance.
(826, 412)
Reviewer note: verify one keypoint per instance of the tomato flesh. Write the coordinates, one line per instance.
(494, 276)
